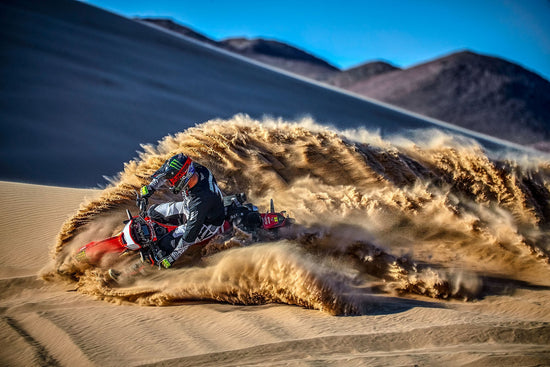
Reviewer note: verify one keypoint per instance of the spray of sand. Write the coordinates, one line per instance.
(430, 217)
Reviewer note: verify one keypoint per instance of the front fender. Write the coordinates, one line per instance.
(93, 252)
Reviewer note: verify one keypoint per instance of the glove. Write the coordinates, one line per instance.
(151, 255)
(150, 258)
(146, 192)
(167, 262)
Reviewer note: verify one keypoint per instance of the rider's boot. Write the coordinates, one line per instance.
(114, 275)
(138, 268)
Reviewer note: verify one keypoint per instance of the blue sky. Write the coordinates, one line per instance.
(348, 33)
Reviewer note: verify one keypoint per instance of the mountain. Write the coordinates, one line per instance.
(478, 92)
(178, 28)
(270, 52)
(482, 93)
(281, 55)
(349, 77)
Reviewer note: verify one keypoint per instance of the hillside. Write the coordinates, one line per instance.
(349, 77)
(270, 52)
(478, 92)
(281, 55)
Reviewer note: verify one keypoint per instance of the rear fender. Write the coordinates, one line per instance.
(273, 220)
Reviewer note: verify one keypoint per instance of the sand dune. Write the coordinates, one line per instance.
(32, 215)
(77, 319)
(411, 247)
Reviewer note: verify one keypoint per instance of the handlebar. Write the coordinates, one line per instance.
(141, 203)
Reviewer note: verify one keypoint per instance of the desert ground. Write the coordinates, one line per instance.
(54, 322)
(417, 243)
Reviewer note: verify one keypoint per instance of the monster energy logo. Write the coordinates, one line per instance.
(176, 164)
(81, 256)
(144, 190)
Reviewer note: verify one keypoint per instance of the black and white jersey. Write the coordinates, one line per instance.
(201, 205)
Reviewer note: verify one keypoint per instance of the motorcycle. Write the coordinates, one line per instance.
(141, 233)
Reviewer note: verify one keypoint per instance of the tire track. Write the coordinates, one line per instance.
(43, 357)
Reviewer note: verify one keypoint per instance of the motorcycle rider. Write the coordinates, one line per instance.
(202, 205)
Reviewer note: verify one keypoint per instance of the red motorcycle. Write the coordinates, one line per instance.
(141, 233)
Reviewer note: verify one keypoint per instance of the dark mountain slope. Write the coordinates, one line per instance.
(281, 55)
(482, 93)
(361, 73)
(269, 52)
(178, 28)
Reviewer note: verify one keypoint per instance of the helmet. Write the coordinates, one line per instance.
(178, 170)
